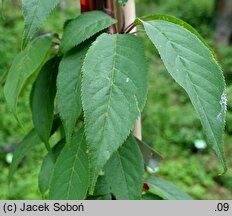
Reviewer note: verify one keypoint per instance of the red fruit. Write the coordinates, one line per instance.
(86, 5)
(145, 187)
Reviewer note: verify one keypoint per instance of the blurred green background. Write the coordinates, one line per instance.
(170, 124)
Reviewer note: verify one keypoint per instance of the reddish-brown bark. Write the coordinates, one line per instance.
(89, 5)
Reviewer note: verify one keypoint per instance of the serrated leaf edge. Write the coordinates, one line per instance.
(55, 164)
(92, 186)
(63, 50)
(26, 38)
(221, 158)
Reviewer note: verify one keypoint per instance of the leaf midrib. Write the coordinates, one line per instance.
(193, 86)
(207, 120)
(83, 32)
(197, 97)
(109, 100)
(173, 42)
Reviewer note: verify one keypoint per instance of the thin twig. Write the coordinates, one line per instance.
(129, 28)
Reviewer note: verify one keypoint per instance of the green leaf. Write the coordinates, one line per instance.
(56, 124)
(24, 65)
(166, 190)
(150, 196)
(30, 141)
(102, 186)
(122, 2)
(194, 68)
(47, 167)
(69, 88)
(46, 173)
(84, 27)
(175, 21)
(124, 171)
(114, 90)
(102, 197)
(44, 92)
(71, 175)
(35, 13)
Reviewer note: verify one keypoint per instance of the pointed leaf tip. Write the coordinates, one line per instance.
(114, 82)
(35, 13)
(25, 64)
(44, 92)
(193, 66)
